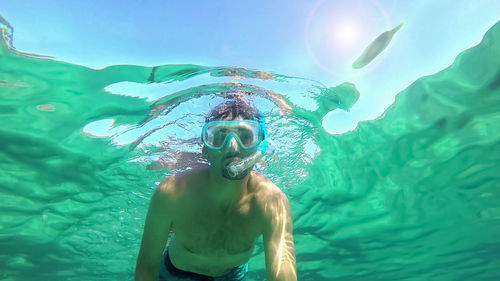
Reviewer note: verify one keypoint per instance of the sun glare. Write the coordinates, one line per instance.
(346, 33)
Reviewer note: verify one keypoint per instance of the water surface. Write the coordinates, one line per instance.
(413, 195)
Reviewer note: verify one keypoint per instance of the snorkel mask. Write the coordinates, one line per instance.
(249, 134)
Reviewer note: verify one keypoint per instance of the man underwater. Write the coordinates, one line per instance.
(217, 213)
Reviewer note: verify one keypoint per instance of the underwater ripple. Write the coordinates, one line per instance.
(413, 195)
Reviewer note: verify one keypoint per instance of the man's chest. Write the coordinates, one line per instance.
(209, 232)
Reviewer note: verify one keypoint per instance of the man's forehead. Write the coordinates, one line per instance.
(236, 124)
(230, 118)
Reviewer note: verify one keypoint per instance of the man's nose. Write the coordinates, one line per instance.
(232, 144)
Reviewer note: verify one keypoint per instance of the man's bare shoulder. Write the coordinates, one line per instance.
(269, 195)
(264, 185)
(175, 184)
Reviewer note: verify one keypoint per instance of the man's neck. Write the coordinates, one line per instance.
(225, 192)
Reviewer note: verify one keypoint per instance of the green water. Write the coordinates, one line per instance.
(413, 195)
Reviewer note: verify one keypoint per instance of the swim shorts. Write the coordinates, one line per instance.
(168, 272)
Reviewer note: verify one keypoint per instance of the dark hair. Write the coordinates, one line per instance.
(232, 109)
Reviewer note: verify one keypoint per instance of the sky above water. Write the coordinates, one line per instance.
(317, 40)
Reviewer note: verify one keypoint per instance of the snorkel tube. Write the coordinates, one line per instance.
(237, 167)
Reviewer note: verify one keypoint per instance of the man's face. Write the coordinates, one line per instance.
(230, 152)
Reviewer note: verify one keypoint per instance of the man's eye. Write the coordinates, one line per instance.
(219, 138)
(246, 138)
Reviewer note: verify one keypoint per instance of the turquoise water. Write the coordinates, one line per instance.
(413, 195)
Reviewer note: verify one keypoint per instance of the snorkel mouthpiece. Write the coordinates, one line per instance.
(235, 168)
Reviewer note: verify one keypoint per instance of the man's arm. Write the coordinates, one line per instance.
(154, 238)
(278, 238)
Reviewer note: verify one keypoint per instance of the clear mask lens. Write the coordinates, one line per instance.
(248, 133)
